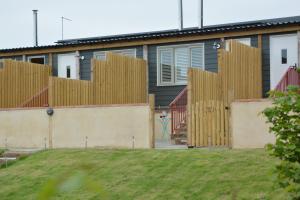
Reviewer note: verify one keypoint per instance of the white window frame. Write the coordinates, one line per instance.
(114, 51)
(173, 47)
(42, 56)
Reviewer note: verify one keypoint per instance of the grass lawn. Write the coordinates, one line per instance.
(147, 174)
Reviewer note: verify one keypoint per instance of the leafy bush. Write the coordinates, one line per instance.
(284, 117)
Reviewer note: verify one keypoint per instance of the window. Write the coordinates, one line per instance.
(68, 71)
(284, 56)
(166, 66)
(245, 41)
(174, 61)
(36, 59)
(101, 55)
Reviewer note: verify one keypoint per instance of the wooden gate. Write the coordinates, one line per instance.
(210, 94)
(209, 127)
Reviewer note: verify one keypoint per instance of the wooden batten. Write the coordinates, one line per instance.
(50, 59)
(259, 45)
(152, 120)
(145, 57)
(189, 108)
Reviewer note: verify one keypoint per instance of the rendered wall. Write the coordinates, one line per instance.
(103, 127)
(249, 128)
(24, 129)
(108, 126)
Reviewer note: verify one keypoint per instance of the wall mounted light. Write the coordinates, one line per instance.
(217, 45)
(50, 111)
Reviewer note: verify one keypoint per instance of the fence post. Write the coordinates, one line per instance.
(152, 120)
(145, 57)
(189, 106)
(50, 92)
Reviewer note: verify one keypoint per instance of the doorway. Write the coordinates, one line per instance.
(283, 54)
(67, 66)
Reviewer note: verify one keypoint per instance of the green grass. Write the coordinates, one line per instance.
(148, 174)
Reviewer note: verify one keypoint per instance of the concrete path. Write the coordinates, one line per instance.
(168, 146)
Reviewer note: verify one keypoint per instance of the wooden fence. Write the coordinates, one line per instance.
(203, 85)
(68, 92)
(20, 81)
(241, 72)
(210, 94)
(118, 80)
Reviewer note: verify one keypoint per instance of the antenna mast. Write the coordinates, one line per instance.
(62, 26)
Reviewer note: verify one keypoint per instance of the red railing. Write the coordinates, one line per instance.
(291, 77)
(39, 100)
(178, 111)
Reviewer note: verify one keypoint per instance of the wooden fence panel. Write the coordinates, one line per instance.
(20, 81)
(68, 92)
(210, 94)
(240, 69)
(204, 90)
(204, 85)
(119, 80)
(207, 124)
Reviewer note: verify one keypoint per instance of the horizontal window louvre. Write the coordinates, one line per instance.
(197, 57)
(166, 66)
(181, 64)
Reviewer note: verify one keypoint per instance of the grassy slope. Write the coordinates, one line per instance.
(124, 174)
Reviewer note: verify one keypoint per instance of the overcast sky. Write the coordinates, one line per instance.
(107, 17)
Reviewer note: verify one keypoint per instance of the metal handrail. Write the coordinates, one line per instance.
(291, 77)
(178, 111)
(179, 97)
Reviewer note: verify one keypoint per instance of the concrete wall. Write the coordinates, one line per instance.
(109, 126)
(249, 128)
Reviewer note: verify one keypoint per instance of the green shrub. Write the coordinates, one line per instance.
(284, 117)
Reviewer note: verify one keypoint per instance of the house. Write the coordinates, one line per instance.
(169, 53)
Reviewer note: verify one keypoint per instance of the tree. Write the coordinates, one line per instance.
(284, 117)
